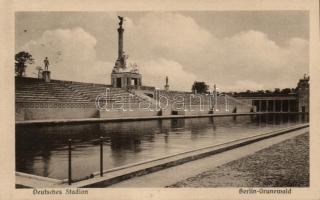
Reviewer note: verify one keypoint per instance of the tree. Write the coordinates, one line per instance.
(21, 59)
(286, 91)
(200, 87)
(276, 90)
(260, 91)
(268, 91)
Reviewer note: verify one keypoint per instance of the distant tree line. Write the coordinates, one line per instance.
(201, 87)
(275, 92)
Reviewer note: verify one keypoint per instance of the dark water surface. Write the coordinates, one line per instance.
(43, 150)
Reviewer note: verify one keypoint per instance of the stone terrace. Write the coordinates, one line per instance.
(91, 91)
(36, 90)
(194, 99)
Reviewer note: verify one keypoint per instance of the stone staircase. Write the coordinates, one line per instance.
(36, 90)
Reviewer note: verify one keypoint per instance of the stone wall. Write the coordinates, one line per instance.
(220, 109)
(125, 114)
(47, 110)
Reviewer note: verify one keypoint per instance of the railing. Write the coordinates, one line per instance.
(233, 144)
(70, 180)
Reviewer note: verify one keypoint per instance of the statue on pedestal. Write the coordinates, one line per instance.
(46, 64)
(166, 86)
(123, 60)
(121, 21)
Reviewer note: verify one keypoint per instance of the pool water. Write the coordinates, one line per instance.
(43, 150)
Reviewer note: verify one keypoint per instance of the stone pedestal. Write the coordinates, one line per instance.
(124, 79)
(46, 76)
(166, 87)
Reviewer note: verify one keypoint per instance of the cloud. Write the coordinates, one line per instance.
(247, 84)
(253, 56)
(250, 55)
(155, 71)
(164, 43)
(162, 31)
(72, 55)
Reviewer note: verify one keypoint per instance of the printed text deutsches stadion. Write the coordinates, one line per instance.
(67, 191)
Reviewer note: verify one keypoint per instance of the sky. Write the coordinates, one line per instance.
(236, 50)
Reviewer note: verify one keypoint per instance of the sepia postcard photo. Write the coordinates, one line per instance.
(151, 100)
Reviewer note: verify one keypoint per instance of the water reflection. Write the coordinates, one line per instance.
(42, 150)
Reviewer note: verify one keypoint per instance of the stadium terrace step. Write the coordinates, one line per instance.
(35, 90)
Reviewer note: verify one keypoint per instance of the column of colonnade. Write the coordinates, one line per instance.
(267, 106)
(286, 105)
(260, 106)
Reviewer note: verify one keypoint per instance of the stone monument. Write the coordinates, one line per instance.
(46, 72)
(166, 87)
(123, 76)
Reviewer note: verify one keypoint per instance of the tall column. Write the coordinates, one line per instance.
(289, 105)
(267, 106)
(274, 105)
(120, 42)
(125, 81)
(123, 84)
(281, 105)
(260, 105)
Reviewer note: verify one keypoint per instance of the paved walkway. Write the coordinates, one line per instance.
(282, 165)
(175, 174)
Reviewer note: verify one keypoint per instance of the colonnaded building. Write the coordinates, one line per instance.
(42, 98)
